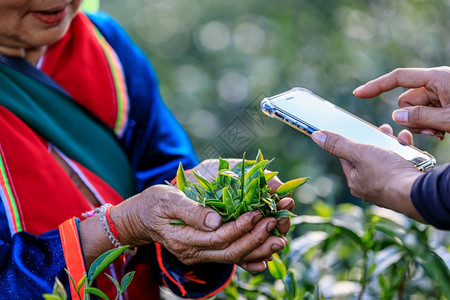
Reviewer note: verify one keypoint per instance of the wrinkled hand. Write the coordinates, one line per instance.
(425, 107)
(145, 218)
(373, 173)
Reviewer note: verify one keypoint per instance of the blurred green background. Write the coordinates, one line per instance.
(217, 59)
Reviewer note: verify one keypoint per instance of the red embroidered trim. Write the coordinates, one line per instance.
(190, 276)
(163, 269)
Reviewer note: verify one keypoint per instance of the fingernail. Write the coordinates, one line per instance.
(256, 218)
(400, 115)
(277, 247)
(270, 226)
(290, 207)
(427, 133)
(357, 89)
(212, 220)
(319, 138)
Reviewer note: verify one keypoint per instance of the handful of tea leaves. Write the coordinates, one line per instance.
(235, 191)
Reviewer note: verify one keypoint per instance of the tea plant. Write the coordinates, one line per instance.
(104, 260)
(237, 190)
(349, 252)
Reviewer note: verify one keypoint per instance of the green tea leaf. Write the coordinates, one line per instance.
(259, 156)
(191, 194)
(289, 187)
(72, 281)
(235, 214)
(229, 173)
(242, 178)
(252, 191)
(81, 282)
(126, 280)
(271, 205)
(113, 280)
(227, 199)
(276, 267)
(260, 165)
(97, 292)
(52, 297)
(103, 261)
(223, 164)
(178, 222)
(244, 164)
(203, 182)
(270, 175)
(218, 206)
(291, 285)
(284, 213)
(262, 180)
(59, 292)
(182, 181)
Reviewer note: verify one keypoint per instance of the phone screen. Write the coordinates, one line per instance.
(307, 112)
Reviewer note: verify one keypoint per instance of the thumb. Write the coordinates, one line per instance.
(423, 117)
(197, 216)
(334, 144)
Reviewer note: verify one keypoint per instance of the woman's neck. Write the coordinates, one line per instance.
(31, 55)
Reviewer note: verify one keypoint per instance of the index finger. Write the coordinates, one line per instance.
(402, 77)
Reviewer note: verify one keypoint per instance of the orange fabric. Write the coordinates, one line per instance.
(73, 254)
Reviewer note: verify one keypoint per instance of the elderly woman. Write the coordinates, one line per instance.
(83, 125)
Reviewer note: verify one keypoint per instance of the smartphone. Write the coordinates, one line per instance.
(307, 112)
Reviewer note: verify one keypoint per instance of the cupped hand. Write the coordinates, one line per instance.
(208, 169)
(146, 218)
(373, 173)
(425, 107)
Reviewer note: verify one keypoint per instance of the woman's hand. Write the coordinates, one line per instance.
(374, 174)
(146, 218)
(425, 107)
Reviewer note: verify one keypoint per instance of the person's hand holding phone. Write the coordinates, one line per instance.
(425, 107)
(374, 174)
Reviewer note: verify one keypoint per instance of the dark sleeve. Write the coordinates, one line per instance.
(29, 265)
(154, 140)
(430, 195)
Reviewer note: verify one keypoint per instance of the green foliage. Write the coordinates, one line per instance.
(235, 191)
(354, 254)
(87, 280)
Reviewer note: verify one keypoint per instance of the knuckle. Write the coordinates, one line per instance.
(415, 115)
(178, 248)
(396, 73)
(233, 255)
(218, 242)
(331, 144)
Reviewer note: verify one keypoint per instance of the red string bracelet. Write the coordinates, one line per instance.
(111, 223)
